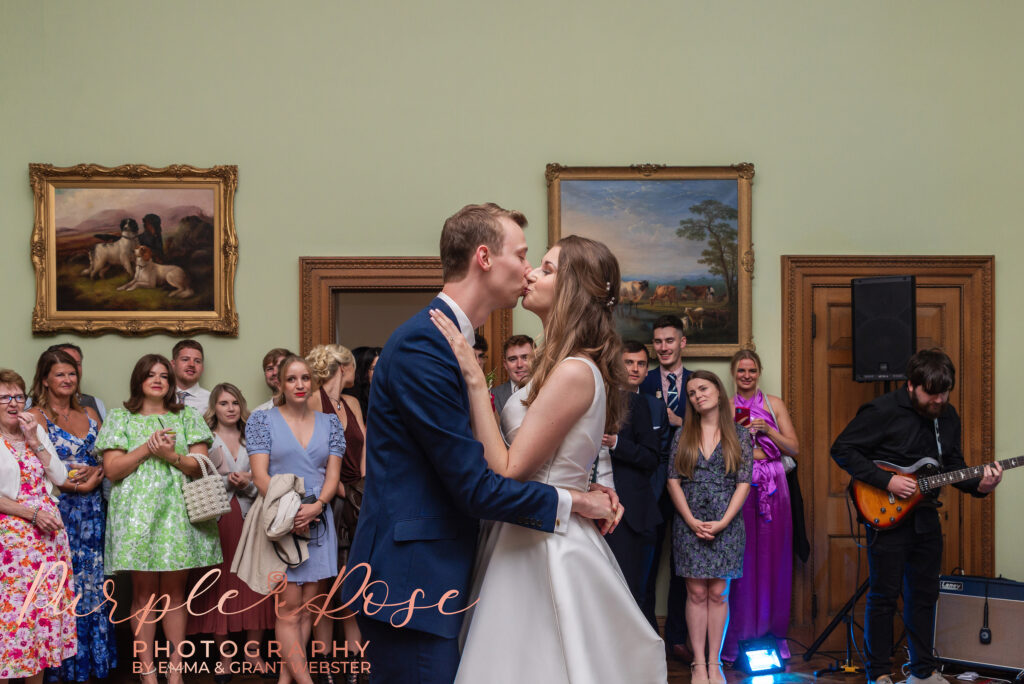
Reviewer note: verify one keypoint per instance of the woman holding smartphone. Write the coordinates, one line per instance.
(147, 453)
(759, 601)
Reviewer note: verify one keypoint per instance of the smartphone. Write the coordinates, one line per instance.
(742, 416)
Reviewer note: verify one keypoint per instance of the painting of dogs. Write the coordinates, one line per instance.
(134, 249)
(148, 273)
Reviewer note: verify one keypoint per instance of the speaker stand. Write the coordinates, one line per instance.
(845, 616)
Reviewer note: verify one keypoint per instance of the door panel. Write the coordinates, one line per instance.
(822, 397)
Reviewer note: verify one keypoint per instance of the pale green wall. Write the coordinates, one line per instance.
(875, 127)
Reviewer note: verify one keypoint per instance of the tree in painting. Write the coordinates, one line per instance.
(714, 223)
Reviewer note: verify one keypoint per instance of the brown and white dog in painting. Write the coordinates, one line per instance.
(148, 273)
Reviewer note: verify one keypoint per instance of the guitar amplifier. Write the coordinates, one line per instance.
(963, 625)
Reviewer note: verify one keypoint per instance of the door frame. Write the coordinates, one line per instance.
(975, 276)
(320, 278)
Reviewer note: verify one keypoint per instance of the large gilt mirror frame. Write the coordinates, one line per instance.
(320, 278)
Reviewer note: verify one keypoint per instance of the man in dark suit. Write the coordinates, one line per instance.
(516, 356)
(636, 454)
(427, 483)
(667, 383)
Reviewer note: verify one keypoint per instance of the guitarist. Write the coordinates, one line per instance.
(901, 427)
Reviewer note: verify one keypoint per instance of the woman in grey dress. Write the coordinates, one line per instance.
(709, 479)
(292, 438)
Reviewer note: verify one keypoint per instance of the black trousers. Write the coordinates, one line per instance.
(907, 559)
(635, 552)
(675, 620)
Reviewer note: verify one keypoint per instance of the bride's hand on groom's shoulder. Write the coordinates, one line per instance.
(464, 354)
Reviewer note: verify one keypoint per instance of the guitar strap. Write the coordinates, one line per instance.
(938, 445)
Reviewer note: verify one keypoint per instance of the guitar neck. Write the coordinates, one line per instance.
(933, 481)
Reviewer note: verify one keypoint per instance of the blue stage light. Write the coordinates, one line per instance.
(759, 657)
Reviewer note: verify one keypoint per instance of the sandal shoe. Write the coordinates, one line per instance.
(699, 673)
(719, 676)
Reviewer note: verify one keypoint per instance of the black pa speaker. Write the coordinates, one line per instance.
(884, 327)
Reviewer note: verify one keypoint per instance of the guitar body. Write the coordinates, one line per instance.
(879, 509)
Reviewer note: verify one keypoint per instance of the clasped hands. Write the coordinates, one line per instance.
(239, 480)
(706, 529)
(600, 504)
(161, 444)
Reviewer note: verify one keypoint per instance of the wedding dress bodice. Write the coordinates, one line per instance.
(571, 464)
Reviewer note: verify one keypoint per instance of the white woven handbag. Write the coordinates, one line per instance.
(205, 496)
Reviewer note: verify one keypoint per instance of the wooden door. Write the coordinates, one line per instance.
(823, 397)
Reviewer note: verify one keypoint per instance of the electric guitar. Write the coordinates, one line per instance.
(882, 510)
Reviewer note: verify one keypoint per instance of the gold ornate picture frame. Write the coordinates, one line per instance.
(683, 241)
(134, 249)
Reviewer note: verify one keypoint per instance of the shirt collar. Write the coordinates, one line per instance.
(465, 327)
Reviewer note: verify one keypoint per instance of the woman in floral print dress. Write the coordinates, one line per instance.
(72, 428)
(146, 449)
(32, 538)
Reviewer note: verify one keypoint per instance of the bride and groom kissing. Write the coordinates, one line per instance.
(550, 602)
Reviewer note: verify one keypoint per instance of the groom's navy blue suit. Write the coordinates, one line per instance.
(427, 485)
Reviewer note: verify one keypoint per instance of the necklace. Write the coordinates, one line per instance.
(66, 415)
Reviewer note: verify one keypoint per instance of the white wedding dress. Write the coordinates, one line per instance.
(555, 608)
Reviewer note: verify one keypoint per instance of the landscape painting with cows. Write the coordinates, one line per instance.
(680, 242)
(134, 249)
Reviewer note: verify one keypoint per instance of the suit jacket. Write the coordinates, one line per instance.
(651, 386)
(659, 423)
(501, 394)
(427, 485)
(635, 458)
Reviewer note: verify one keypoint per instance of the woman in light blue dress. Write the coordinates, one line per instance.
(292, 438)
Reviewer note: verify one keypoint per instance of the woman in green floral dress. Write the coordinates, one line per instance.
(146, 450)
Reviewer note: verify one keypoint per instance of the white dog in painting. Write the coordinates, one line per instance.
(115, 250)
(148, 273)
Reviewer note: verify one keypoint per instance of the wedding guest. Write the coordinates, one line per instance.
(759, 600)
(271, 360)
(293, 438)
(333, 368)
(480, 347)
(366, 361)
(226, 417)
(147, 449)
(709, 478)
(85, 400)
(187, 364)
(32, 539)
(72, 430)
(516, 357)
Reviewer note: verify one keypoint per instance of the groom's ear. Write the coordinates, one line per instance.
(482, 258)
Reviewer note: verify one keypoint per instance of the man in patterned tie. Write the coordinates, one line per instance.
(667, 382)
(187, 366)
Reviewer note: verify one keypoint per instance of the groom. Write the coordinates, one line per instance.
(427, 483)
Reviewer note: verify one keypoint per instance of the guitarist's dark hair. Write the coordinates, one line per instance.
(932, 370)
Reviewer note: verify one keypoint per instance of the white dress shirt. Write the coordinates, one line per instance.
(196, 397)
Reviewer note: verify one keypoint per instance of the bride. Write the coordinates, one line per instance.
(555, 608)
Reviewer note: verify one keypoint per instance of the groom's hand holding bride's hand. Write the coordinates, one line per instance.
(600, 503)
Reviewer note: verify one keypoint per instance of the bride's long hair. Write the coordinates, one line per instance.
(580, 322)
